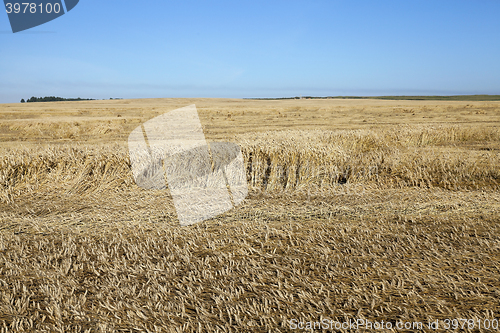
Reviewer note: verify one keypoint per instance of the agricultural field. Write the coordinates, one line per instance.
(358, 209)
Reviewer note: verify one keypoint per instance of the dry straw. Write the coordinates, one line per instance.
(83, 249)
(426, 156)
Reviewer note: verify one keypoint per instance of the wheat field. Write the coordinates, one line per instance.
(357, 209)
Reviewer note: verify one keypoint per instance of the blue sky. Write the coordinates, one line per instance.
(143, 49)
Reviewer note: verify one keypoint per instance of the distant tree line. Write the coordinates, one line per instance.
(409, 98)
(54, 99)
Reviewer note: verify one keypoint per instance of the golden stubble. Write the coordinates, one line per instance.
(382, 210)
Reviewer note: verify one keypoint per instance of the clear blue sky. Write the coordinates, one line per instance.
(142, 49)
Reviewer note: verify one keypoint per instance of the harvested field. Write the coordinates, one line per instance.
(358, 209)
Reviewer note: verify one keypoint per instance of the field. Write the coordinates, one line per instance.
(358, 209)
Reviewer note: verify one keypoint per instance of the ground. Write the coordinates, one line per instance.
(358, 210)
